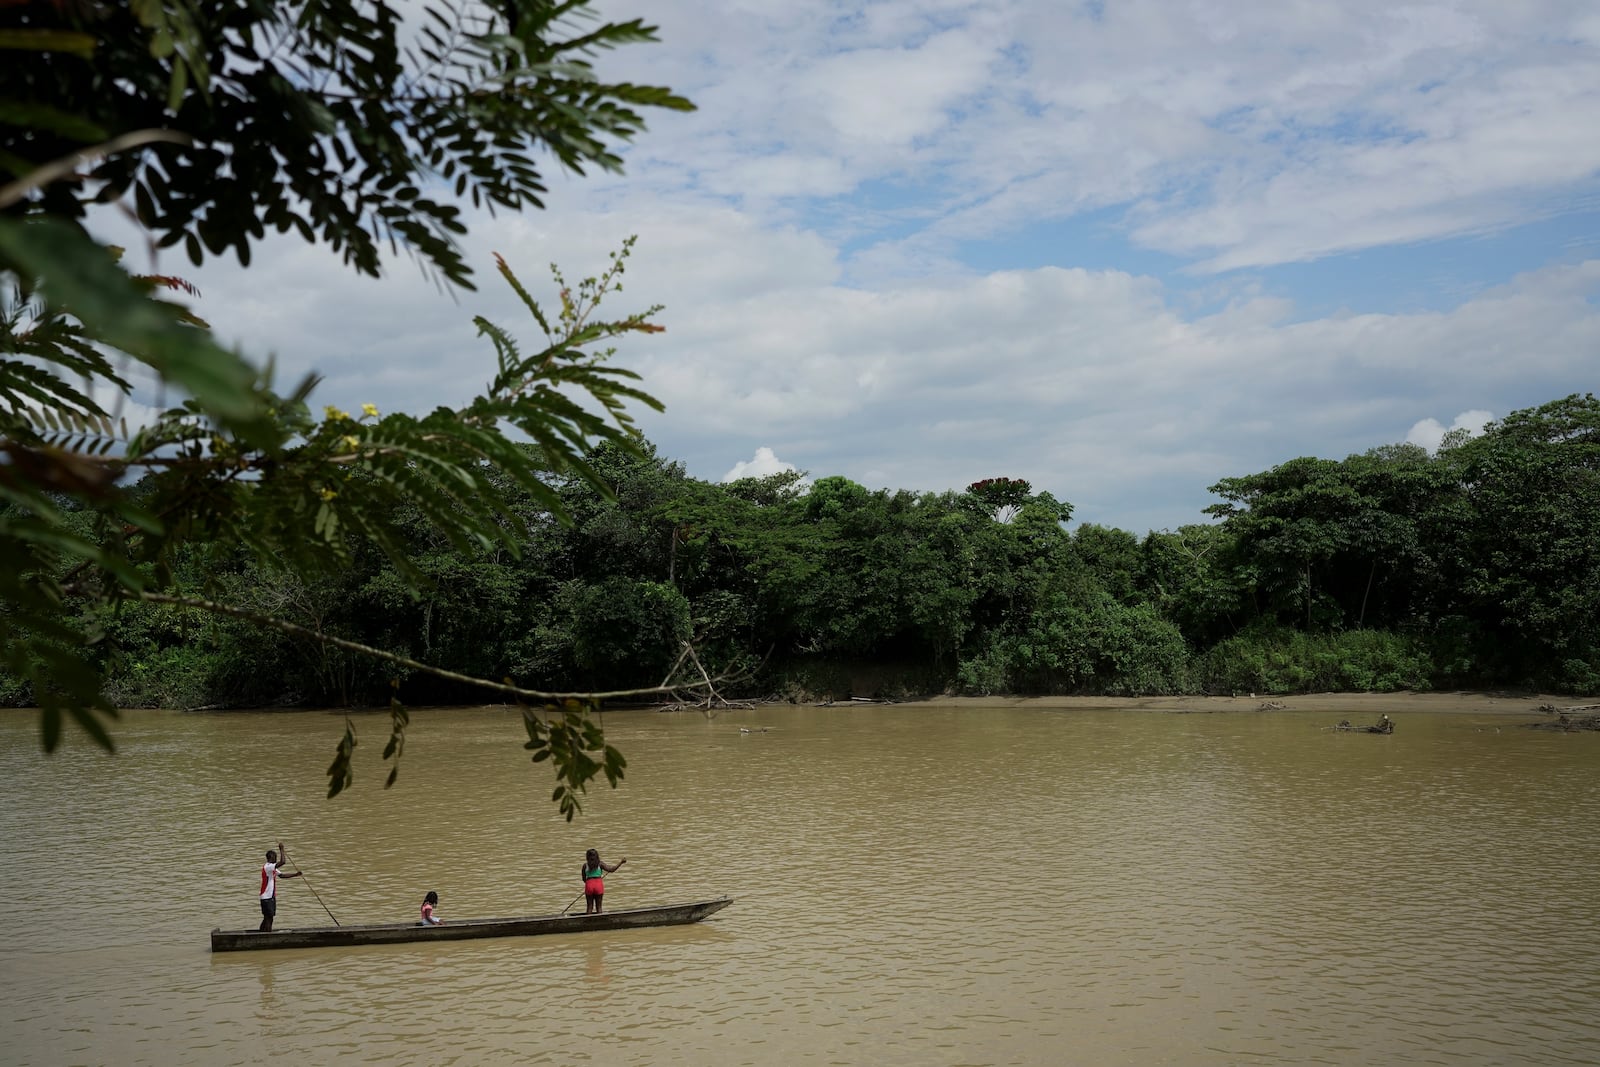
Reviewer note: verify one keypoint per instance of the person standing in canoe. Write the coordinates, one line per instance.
(594, 880)
(269, 883)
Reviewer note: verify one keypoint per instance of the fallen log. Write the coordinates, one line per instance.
(1384, 725)
(1568, 723)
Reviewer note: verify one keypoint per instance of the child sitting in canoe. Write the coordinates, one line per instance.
(430, 902)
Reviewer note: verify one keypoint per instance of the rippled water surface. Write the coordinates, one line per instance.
(913, 886)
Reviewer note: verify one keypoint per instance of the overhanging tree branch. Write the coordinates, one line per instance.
(295, 630)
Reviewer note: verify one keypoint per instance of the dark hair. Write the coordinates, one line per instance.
(431, 898)
(272, 856)
(592, 857)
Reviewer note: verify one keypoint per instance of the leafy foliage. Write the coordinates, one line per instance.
(1000, 498)
(218, 120)
(1278, 660)
(573, 742)
(1529, 567)
(846, 590)
(313, 116)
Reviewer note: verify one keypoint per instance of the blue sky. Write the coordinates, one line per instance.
(1121, 249)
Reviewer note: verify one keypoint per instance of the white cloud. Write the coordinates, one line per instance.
(763, 464)
(1102, 387)
(890, 97)
(806, 230)
(1247, 134)
(1429, 432)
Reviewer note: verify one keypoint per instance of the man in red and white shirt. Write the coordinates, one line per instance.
(269, 883)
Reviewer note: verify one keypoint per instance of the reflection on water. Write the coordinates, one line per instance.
(913, 886)
(594, 967)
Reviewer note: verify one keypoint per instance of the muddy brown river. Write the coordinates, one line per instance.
(912, 886)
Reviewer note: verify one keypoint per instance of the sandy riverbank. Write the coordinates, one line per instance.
(1350, 705)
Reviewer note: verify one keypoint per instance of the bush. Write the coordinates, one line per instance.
(1139, 653)
(1275, 660)
(1098, 646)
(1579, 677)
(177, 677)
(14, 693)
(987, 673)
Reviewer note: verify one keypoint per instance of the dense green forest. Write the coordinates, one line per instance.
(1477, 566)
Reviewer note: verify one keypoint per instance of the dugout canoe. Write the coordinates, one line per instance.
(463, 929)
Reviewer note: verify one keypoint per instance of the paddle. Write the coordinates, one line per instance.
(302, 876)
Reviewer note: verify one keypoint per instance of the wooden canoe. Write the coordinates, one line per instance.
(463, 929)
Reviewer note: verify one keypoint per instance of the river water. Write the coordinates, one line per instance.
(912, 886)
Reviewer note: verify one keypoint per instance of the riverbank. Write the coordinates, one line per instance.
(1346, 705)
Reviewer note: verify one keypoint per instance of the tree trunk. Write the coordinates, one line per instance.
(1361, 620)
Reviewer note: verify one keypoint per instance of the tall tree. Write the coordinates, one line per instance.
(1293, 521)
(1193, 576)
(1530, 569)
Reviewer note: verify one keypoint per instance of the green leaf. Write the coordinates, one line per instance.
(71, 42)
(83, 277)
(340, 772)
(42, 116)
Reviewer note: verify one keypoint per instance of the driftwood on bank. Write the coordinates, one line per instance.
(703, 696)
(1384, 725)
(1570, 719)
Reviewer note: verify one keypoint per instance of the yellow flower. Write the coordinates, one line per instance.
(370, 410)
(328, 494)
(330, 412)
(351, 441)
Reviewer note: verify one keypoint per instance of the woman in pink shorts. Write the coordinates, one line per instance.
(594, 880)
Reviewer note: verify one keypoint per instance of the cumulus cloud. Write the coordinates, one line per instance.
(810, 231)
(1104, 387)
(1242, 135)
(1429, 432)
(761, 465)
